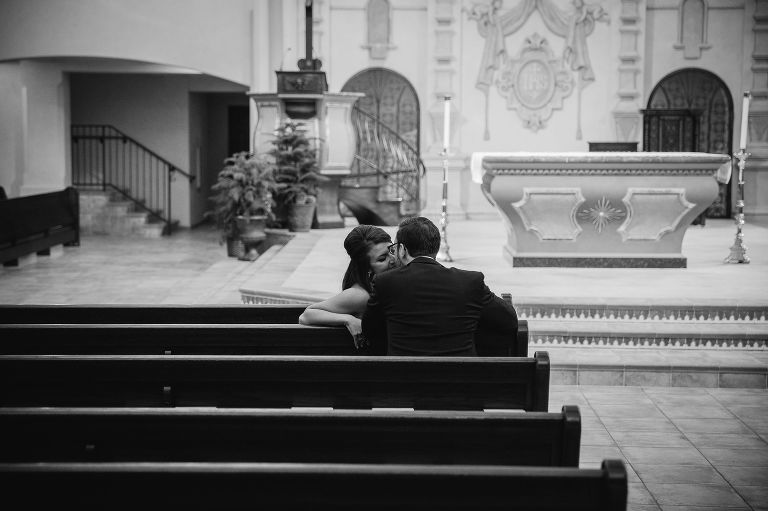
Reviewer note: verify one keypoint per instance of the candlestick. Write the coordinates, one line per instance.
(744, 121)
(738, 249)
(447, 124)
(443, 254)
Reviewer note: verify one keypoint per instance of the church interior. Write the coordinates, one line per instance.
(603, 163)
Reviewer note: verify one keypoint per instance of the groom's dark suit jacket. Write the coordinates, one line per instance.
(425, 308)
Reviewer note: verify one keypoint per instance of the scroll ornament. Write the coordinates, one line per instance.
(574, 25)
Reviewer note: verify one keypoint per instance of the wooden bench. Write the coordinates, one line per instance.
(35, 223)
(447, 383)
(196, 338)
(224, 486)
(297, 435)
(149, 314)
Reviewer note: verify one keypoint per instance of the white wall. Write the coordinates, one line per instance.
(153, 109)
(198, 34)
(11, 134)
(35, 128)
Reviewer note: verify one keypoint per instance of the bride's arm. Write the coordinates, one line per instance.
(342, 309)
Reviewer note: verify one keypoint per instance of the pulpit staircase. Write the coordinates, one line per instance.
(125, 187)
(384, 186)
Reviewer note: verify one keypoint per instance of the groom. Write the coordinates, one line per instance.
(423, 308)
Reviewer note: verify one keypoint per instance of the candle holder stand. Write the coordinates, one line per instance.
(738, 249)
(443, 254)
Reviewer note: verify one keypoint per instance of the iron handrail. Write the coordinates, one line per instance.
(129, 168)
(398, 167)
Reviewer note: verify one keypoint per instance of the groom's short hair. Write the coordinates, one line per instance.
(420, 236)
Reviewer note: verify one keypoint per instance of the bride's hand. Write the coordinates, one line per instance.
(355, 327)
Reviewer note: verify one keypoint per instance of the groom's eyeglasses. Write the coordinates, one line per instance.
(392, 249)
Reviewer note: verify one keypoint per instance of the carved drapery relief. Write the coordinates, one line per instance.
(535, 83)
(378, 17)
(692, 28)
(574, 25)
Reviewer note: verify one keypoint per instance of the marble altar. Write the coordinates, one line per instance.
(598, 209)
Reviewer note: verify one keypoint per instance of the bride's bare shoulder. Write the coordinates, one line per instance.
(350, 301)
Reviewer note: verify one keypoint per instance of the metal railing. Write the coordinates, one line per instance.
(385, 160)
(105, 158)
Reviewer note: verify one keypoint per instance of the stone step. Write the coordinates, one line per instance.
(649, 334)
(662, 367)
(627, 312)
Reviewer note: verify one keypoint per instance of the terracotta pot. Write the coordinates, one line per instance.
(252, 230)
(300, 217)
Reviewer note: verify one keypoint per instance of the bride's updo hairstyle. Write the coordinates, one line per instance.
(357, 244)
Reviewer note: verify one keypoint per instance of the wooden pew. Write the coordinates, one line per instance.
(297, 435)
(221, 337)
(35, 223)
(224, 486)
(447, 383)
(149, 314)
(176, 339)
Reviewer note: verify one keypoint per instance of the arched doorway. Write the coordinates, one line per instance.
(691, 110)
(391, 98)
(387, 119)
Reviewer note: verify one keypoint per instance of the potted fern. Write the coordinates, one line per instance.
(242, 201)
(295, 172)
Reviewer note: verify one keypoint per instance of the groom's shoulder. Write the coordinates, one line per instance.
(468, 274)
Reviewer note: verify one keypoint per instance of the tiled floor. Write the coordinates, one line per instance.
(685, 449)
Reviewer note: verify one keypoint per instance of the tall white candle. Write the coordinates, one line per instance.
(447, 124)
(744, 121)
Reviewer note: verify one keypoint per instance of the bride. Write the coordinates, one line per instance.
(368, 249)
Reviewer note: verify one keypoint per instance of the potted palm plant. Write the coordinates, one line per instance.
(296, 176)
(242, 201)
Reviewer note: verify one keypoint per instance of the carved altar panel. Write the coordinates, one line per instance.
(653, 212)
(550, 212)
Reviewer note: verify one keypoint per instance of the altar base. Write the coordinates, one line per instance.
(599, 210)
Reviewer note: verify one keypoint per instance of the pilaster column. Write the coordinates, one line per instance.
(445, 68)
(626, 115)
(755, 79)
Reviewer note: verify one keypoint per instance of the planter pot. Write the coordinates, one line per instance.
(252, 230)
(300, 217)
(235, 247)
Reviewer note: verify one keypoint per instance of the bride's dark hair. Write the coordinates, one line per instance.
(357, 244)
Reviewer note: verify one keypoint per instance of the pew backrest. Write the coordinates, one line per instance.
(315, 486)
(176, 339)
(253, 381)
(237, 337)
(296, 435)
(150, 314)
(35, 223)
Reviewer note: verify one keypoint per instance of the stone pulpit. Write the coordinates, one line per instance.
(328, 119)
(302, 96)
(599, 209)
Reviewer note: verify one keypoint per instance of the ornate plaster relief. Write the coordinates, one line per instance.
(574, 25)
